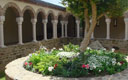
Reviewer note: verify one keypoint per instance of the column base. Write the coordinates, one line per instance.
(34, 40)
(3, 46)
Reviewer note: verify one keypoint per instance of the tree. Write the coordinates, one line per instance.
(93, 10)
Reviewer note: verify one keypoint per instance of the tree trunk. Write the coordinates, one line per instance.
(87, 36)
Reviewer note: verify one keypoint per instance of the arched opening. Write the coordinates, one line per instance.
(117, 29)
(71, 27)
(11, 26)
(100, 29)
(39, 27)
(50, 26)
(59, 27)
(27, 26)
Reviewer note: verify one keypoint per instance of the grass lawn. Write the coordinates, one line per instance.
(2, 76)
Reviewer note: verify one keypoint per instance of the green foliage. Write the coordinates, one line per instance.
(112, 8)
(91, 62)
(71, 48)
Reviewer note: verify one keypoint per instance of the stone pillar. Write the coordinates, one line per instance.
(19, 22)
(66, 33)
(54, 22)
(62, 29)
(126, 28)
(2, 19)
(34, 29)
(92, 36)
(108, 21)
(45, 28)
(78, 28)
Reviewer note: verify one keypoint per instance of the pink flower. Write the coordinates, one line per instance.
(30, 63)
(25, 63)
(87, 66)
(83, 66)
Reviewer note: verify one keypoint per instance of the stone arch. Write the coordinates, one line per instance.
(31, 11)
(11, 11)
(66, 16)
(1, 11)
(14, 6)
(27, 26)
(39, 25)
(52, 14)
(59, 25)
(60, 14)
(101, 28)
(42, 11)
(71, 27)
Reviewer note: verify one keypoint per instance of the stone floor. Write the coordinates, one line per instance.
(15, 71)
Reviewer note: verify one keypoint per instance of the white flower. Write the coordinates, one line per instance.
(119, 63)
(67, 54)
(99, 70)
(50, 68)
(126, 58)
(113, 50)
(30, 55)
(88, 48)
(60, 49)
(54, 48)
(104, 49)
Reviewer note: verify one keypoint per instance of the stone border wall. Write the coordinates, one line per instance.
(15, 71)
(16, 51)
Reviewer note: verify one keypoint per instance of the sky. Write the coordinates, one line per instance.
(57, 2)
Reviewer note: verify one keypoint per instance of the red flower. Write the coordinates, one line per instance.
(30, 63)
(83, 66)
(25, 63)
(55, 66)
(121, 62)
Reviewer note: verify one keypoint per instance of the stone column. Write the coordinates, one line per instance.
(126, 28)
(19, 22)
(66, 24)
(92, 36)
(45, 28)
(2, 19)
(34, 29)
(108, 21)
(54, 22)
(62, 29)
(78, 28)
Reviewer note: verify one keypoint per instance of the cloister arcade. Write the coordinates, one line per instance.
(19, 26)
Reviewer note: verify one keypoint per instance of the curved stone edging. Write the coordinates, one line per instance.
(15, 71)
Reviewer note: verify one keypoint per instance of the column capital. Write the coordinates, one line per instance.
(78, 21)
(54, 21)
(126, 19)
(19, 20)
(45, 21)
(34, 21)
(66, 22)
(108, 20)
(2, 18)
(62, 22)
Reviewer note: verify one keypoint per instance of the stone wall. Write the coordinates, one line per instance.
(16, 51)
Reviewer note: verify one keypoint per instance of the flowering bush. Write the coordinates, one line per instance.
(68, 62)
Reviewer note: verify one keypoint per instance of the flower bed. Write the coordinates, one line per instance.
(68, 62)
